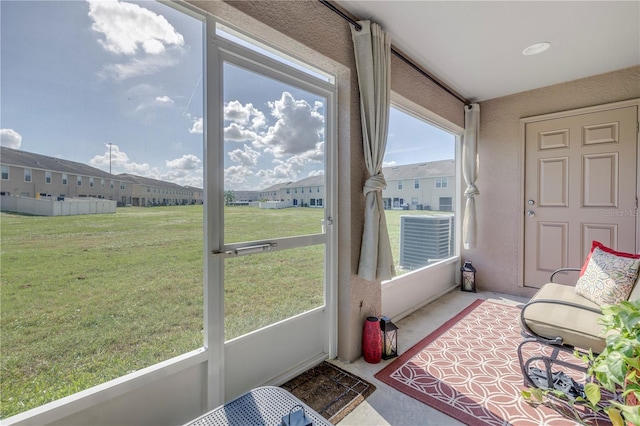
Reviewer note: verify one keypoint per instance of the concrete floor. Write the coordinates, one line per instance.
(387, 406)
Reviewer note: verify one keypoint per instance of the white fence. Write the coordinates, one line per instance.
(275, 204)
(49, 207)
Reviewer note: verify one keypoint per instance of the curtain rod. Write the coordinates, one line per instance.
(396, 53)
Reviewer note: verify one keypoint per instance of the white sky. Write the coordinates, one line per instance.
(78, 75)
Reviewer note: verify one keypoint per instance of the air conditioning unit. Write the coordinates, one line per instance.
(425, 239)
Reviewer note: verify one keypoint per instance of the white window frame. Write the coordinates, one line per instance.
(222, 50)
(416, 184)
(48, 178)
(28, 175)
(146, 377)
(421, 113)
(79, 180)
(400, 184)
(64, 179)
(5, 171)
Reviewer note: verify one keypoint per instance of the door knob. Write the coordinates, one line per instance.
(531, 213)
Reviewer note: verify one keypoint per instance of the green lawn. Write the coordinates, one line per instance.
(86, 299)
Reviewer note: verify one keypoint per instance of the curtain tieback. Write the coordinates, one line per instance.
(471, 191)
(375, 183)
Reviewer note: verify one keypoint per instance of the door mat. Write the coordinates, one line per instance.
(469, 370)
(329, 390)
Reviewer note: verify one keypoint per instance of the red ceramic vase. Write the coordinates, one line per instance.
(372, 341)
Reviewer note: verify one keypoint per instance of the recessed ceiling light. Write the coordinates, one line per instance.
(534, 49)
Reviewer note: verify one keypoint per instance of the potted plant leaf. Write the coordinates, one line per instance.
(617, 368)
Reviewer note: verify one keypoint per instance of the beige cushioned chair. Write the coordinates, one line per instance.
(565, 321)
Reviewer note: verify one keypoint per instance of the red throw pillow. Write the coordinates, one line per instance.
(608, 250)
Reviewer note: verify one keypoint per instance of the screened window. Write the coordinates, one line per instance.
(109, 294)
(5, 172)
(275, 132)
(421, 227)
(115, 293)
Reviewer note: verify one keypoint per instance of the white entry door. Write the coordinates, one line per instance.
(580, 186)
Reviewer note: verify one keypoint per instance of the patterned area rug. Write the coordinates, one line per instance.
(330, 390)
(469, 370)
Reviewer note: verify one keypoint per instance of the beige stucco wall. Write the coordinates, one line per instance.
(315, 26)
(499, 207)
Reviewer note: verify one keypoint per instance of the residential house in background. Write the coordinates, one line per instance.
(147, 192)
(33, 175)
(37, 176)
(422, 186)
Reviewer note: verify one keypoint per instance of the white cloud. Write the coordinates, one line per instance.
(298, 130)
(197, 126)
(186, 162)
(299, 127)
(112, 156)
(147, 39)
(316, 154)
(237, 133)
(186, 170)
(119, 162)
(141, 169)
(245, 115)
(146, 97)
(388, 163)
(164, 99)
(185, 177)
(129, 28)
(9, 138)
(236, 177)
(316, 173)
(284, 171)
(246, 156)
(138, 67)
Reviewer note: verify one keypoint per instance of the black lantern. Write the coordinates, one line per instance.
(389, 338)
(468, 282)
